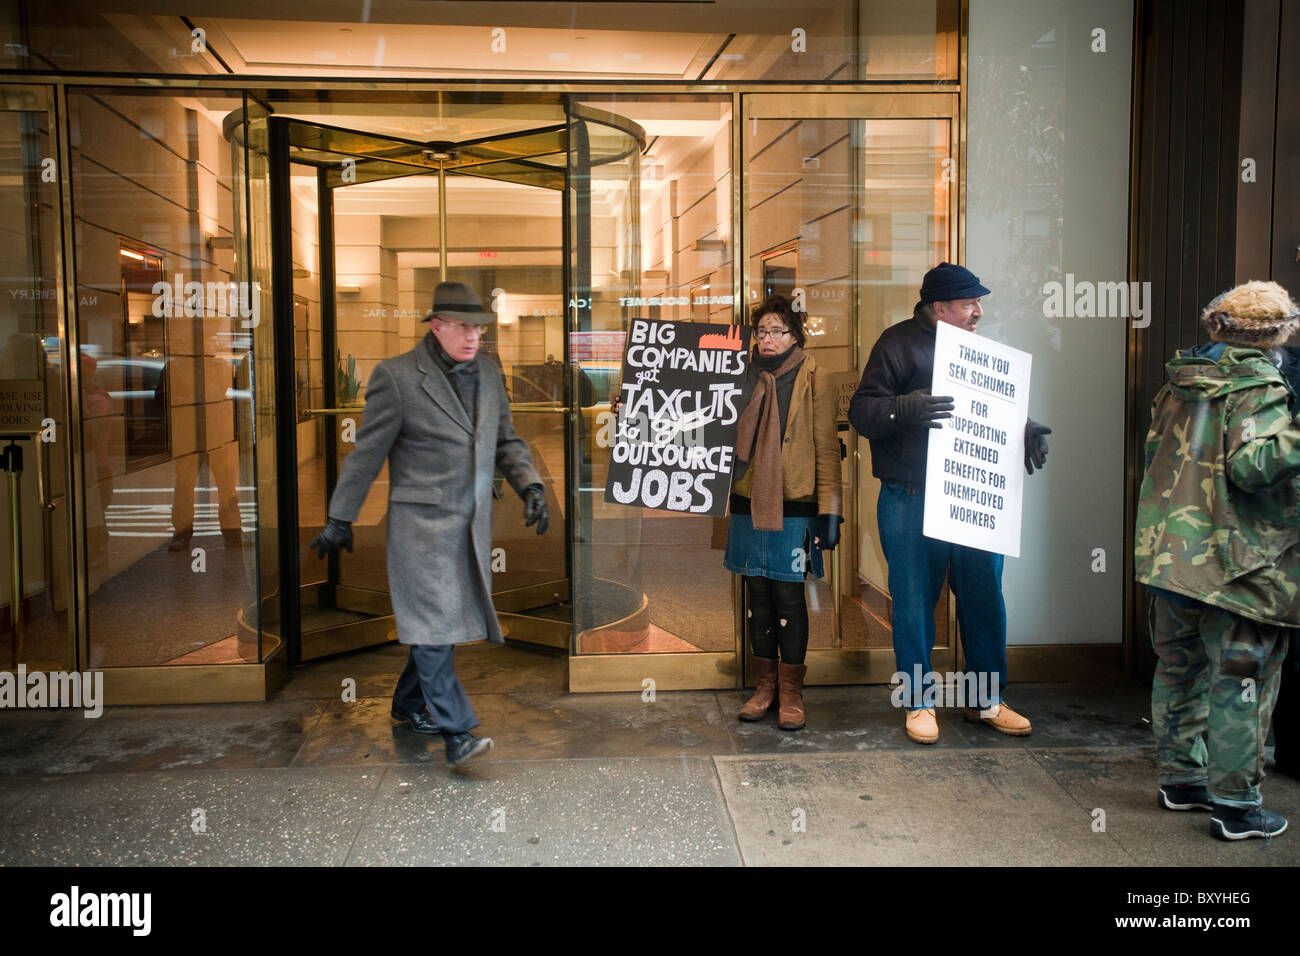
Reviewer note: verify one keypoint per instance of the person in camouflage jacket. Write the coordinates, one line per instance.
(1218, 546)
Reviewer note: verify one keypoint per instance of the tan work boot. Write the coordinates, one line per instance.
(764, 691)
(922, 726)
(791, 715)
(1002, 719)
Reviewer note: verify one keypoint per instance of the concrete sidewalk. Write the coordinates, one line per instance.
(598, 779)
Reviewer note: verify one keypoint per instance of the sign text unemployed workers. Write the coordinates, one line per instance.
(974, 474)
(684, 386)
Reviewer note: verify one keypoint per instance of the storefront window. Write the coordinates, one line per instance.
(211, 432)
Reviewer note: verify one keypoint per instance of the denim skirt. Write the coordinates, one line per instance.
(785, 555)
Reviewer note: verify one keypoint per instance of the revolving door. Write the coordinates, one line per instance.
(362, 228)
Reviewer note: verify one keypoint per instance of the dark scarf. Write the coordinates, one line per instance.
(758, 439)
(463, 376)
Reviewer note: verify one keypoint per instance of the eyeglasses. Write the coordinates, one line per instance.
(770, 333)
(467, 329)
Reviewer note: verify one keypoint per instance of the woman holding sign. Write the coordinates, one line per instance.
(785, 504)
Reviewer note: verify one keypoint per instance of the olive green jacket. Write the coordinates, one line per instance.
(810, 451)
(1218, 516)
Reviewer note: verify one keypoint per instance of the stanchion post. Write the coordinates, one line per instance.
(12, 460)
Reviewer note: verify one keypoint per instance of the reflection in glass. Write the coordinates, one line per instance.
(165, 382)
(722, 40)
(32, 383)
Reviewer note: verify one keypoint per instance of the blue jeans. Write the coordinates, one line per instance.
(917, 566)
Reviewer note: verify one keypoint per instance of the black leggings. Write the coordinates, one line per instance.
(778, 618)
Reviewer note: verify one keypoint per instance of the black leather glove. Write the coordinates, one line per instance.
(920, 409)
(1035, 445)
(336, 536)
(827, 531)
(535, 508)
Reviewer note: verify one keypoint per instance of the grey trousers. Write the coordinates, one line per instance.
(429, 678)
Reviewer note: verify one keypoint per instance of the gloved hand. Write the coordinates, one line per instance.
(1035, 445)
(827, 531)
(336, 536)
(923, 410)
(535, 508)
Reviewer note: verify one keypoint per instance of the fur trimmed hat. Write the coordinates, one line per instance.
(1258, 314)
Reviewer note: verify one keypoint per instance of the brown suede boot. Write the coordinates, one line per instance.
(791, 716)
(764, 691)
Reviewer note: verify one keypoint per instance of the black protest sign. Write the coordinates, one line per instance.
(684, 387)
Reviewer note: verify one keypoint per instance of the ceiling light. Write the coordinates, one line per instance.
(132, 255)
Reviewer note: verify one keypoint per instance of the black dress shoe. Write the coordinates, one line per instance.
(463, 746)
(420, 721)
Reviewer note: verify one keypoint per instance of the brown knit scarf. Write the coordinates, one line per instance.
(758, 441)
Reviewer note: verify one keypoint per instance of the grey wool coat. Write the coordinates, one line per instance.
(440, 470)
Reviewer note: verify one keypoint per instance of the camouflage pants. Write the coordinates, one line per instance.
(1210, 722)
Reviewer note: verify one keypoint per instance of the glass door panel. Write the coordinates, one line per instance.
(849, 200)
(165, 326)
(651, 236)
(35, 586)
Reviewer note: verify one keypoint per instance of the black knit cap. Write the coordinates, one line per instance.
(946, 282)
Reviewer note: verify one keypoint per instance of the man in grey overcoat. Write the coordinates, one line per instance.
(440, 416)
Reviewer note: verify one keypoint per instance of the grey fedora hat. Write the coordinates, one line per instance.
(457, 302)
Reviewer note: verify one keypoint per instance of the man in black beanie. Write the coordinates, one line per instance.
(894, 410)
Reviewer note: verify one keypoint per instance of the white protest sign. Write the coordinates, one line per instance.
(975, 470)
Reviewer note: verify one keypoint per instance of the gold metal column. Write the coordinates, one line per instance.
(13, 466)
(442, 159)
